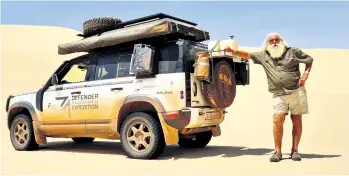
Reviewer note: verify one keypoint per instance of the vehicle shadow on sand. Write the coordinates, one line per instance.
(170, 152)
(176, 152)
(287, 156)
(228, 151)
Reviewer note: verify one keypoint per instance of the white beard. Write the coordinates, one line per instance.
(276, 51)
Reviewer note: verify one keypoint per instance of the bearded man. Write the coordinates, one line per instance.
(281, 65)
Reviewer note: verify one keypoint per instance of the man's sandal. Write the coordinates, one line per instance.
(276, 157)
(295, 156)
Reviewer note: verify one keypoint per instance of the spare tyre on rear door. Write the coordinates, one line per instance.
(221, 91)
(99, 25)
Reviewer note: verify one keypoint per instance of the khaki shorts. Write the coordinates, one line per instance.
(295, 102)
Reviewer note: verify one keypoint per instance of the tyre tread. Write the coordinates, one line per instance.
(159, 140)
(96, 26)
(32, 145)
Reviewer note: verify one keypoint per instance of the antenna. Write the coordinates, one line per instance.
(232, 36)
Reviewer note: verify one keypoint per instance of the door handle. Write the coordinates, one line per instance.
(76, 93)
(116, 88)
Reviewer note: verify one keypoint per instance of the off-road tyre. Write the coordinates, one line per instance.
(222, 91)
(96, 26)
(83, 140)
(201, 140)
(29, 143)
(155, 140)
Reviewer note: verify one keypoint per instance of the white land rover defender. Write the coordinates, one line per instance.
(148, 82)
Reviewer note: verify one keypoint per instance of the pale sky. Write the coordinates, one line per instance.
(303, 24)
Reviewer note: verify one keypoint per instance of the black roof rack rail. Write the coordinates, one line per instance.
(151, 17)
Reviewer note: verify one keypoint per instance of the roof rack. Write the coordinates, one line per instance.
(151, 18)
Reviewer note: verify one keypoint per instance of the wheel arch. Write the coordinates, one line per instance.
(151, 105)
(19, 108)
(139, 103)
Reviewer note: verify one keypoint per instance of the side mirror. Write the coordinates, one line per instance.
(54, 79)
(142, 60)
(82, 67)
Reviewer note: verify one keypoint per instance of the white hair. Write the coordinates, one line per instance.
(266, 40)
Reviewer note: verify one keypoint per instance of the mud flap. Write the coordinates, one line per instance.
(216, 131)
(39, 137)
(170, 134)
(221, 91)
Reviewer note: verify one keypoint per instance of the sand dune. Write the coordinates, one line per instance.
(29, 56)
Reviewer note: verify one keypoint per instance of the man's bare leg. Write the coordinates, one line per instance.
(278, 130)
(279, 120)
(296, 135)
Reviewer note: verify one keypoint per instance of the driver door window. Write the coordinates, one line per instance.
(57, 104)
(77, 73)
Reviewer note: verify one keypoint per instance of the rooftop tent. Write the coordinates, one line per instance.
(133, 30)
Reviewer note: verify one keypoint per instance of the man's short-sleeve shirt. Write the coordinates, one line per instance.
(283, 74)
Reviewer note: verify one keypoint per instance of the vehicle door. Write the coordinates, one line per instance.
(58, 112)
(112, 82)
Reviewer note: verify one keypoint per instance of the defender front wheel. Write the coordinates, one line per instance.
(142, 136)
(22, 133)
(200, 141)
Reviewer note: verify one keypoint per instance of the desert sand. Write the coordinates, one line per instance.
(243, 148)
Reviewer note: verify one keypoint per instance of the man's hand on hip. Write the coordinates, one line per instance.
(302, 80)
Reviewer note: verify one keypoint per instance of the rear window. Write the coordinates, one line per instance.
(106, 67)
(124, 65)
(113, 66)
(170, 59)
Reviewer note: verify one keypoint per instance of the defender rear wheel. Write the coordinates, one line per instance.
(83, 140)
(200, 141)
(22, 133)
(142, 136)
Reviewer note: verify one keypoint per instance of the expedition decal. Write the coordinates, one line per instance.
(82, 102)
(78, 102)
(64, 100)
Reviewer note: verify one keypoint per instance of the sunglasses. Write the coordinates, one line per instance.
(274, 41)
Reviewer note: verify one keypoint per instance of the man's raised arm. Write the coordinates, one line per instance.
(243, 54)
(256, 57)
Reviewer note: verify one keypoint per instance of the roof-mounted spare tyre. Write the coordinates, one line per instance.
(99, 25)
